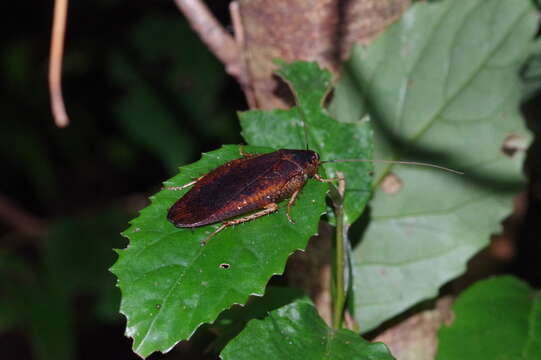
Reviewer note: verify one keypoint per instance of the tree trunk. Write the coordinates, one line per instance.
(314, 30)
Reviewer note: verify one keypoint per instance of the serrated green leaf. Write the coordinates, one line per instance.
(296, 331)
(331, 139)
(498, 318)
(231, 322)
(441, 85)
(171, 284)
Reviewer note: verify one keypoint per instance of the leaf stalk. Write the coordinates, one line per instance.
(337, 197)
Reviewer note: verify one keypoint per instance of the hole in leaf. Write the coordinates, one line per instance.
(283, 91)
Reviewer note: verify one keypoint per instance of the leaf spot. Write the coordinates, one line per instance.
(391, 184)
(512, 144)
(225, 266)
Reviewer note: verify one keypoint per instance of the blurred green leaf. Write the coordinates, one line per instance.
(39, 298)
(25, 149)
(171, 91)
(15, 274)
(146, 119)
(16, 65)
(190, 71)
(498, 318)
(171, 284)
(441, 86)
(32, 304)
(49, 318)
(296, 331)
(331, 139)
(78, 254)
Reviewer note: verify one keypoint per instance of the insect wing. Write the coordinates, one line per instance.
(222, 193)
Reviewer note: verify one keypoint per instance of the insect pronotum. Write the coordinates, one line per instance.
(251, 184)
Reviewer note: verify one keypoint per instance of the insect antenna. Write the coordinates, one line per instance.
(397, 162)
(305, 132)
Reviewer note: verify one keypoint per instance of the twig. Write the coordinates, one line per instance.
(55, 63)
(220, 43)
(244, 78)
(19, 219)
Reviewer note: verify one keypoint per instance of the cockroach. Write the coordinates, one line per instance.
(251, 184)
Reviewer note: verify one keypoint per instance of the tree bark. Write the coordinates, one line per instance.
(313, 30)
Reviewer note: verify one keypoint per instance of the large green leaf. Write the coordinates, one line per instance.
(296, 331)
(309, 121)
(231, 322)
(171, 284)
(499, 318)
(441, 86)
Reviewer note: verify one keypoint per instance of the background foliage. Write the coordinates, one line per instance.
(129, 84)
(146, 97)
(442, 85)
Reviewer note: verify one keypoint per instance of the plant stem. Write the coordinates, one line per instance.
(55, 63)
(340, 263)
(337, 196)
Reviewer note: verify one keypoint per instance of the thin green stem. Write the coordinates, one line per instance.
(340, 297)
(337, 197)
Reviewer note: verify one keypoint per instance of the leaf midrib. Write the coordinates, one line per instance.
(459, 89)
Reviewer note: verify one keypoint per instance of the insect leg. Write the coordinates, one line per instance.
(244, 154)
(269, 209)
(290, 204)
(176, 188)
(319, 178)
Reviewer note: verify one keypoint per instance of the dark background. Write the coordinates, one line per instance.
(144, 96)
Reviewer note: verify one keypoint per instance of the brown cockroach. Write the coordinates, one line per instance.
(252, 184)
